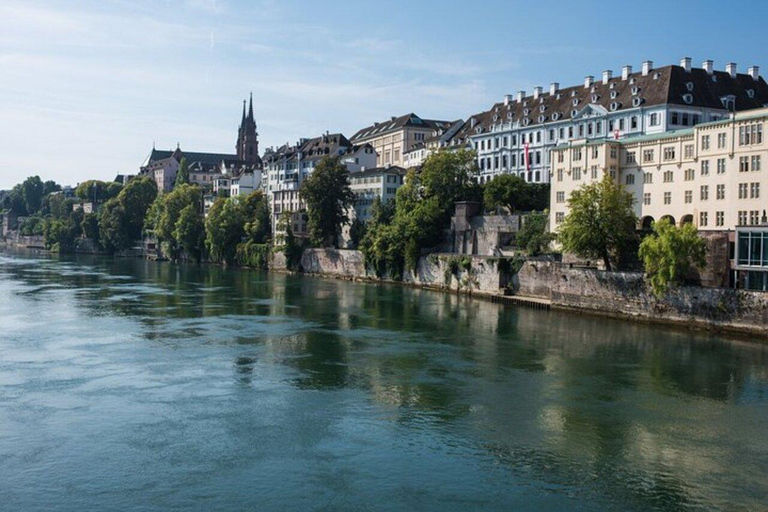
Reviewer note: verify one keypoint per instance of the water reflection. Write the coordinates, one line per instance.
(621, 415)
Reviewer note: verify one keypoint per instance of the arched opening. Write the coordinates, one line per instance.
(646, 223)
(687, 219)
(669, 218)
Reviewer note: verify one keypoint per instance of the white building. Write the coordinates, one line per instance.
(517, 134)
(370, 184)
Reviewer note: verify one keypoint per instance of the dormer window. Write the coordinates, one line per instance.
(751, 93)
(595, 97)
(542, 118)
(635, 90)
(614, 94)
(614, 106)
(612, 86)
(636, 102)
(575, 101)
(510, 115)
(729, 102)
(525, 103)
(479, 129)
(689, 86)
(656, 76)
(632, 80)
(573, 93)
(542, 108)
(495, 118)
(557, 96)
(526, 121)
(688, 98)
(555, 116)
(574, 113)
(526, 111)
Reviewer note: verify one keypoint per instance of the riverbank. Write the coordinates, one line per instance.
(549, 284)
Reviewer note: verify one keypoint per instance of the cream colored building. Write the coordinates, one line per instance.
(713, 176)
(397, 136)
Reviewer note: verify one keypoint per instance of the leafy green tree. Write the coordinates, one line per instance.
(287, 242)
(601, 222)
(537, 199)
(328, 196)
(50, 187)
(14, 203)
(357, 232)
(182, 175)
(121, 218)
(224, 229)
(670, 253)
(257, 217)
(190, 231)
(31, 191)
(113, 231)
(90, 227)
(533, 236)
(97, 191)
(60, 234)
(507, 191)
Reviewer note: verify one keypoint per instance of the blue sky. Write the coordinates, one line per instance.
(86, 87)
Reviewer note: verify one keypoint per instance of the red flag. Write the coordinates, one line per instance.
(616, 134)
(527, 157)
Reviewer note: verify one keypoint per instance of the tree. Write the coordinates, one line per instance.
(50, 187)
(182, 175)
(97, 191)
(328, 196)
(533, 236)
(505, 190)
(257, 217)
(121, 218)
(287, 242)
(90, 227)
(224, 229)
(190, 231)
(448, 177)
(164, 216)
(601, 222)
(32, 190)
(357, 232)
(670, 253)
(113, 232)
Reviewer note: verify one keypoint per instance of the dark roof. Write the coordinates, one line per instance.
(330, 144)
(378, 170)
(396, 123)
(192, 157)
(667, 85)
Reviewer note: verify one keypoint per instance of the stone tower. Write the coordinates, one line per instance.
(247, 138)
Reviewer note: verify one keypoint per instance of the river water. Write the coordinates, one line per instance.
(133, 385)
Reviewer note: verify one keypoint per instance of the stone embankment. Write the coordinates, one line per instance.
(617, 294)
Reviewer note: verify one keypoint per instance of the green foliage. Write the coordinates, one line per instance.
(57, 205)
(121, 218)
(32, 226)
(257, 217)
(397, 233)
(14, 203)
(164, 220)
(669, 254)
(31, 192)
(254, 255)
(90, 226)
(224, 229)
(189, 231)
(533, 236)
(454, 265)
(515, 194)
(97, 191)
(328, 196)
(601, 222)
(60, 234)
(49, 187)
(288, 243)
(357, 232)
(113, 229)
(182, 175)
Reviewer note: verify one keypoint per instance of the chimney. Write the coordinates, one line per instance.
(588, 81)
(754, 72)
(607, 75)
(507, 99)
(647, 66)
(708, 66)
(553, 88)
(520, 96)
(536, 92)
(685, 63)
(730, 68)
(625, 72)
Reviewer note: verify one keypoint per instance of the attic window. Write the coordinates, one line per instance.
(689, 86)
(575, 101)
(557, 96)
(526, 111)
(614, 94)
(542, 118)
(751, 93)
(526, 121)
(542, 108)
(614, 105)
(612, 86)
(510, 115)
(573, 93)
(574, 113)
(635, 90)
(595, 97)
(688, 98)
(555, 116)
(632, 80)
(656, 76)
(479, 129)
(636, 102)
(495, 118)
(496, 109)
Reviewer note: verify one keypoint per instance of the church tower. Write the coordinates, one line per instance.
(247, 137)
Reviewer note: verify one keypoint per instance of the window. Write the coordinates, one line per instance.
(559, 175)
(614, 152)
(705, 142)
(595, 152)
(667, 197)
(688, 196)
(689, 174)
(647, 155)
(704, 192)
(754, 191)
(647, 178)
(721, 192)
(721, 166)
(654, 121)
(560, 197)
(720, 218)
(721, 140)
(705, 167)
(755, 161)
(669, 176)
(647, 199)
(630, 179)
(594, 172)
(754, 217)
(688, 151)
(576, 153)
(750, 134)
(703, 218)
(669, 153)
(576, 173)
(633, 122)
(559, 217)
(743, 190)
(743, 163)
(560, 156)
(631, 157)
(742, 218)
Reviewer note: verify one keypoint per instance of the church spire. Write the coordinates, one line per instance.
(250, 109)
(242, 121)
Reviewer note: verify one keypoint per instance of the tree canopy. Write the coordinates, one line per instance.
(224, 229)
(533, 237)
(182, 175)
(97, 191)
(327, 195)
(601, 222)
(121, 218)
(515, 194)
(669, 253)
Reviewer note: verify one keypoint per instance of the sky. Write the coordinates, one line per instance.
(87, 87)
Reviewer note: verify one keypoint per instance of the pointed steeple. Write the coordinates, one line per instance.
(242, 121)
(250, 108)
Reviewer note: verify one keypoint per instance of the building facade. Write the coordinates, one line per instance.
(440, 138)
(394, 138)
(378, 183)
(516, 135)
(712, 176)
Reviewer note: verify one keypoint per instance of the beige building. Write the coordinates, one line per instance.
(394, 138)
(712, 175)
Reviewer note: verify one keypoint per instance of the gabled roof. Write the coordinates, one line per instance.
(192, 157)
(397, 123)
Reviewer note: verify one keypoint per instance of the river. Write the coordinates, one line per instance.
(135, 385)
